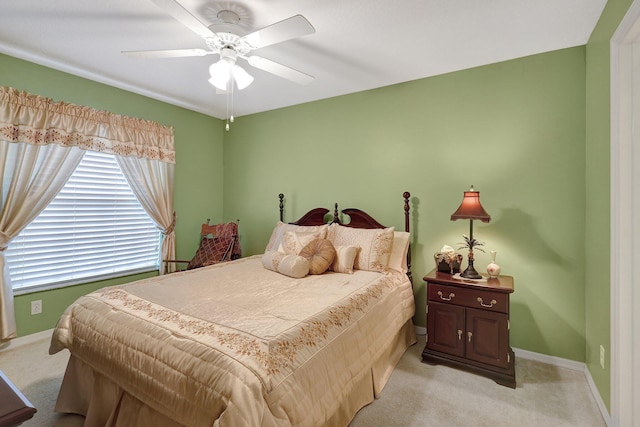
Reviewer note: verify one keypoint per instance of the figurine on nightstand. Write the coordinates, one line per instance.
(493, 269)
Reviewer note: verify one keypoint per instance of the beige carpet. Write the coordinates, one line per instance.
(416, 395)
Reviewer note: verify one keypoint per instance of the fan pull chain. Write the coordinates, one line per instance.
(232, 90)
(226, 127)
(229, 104)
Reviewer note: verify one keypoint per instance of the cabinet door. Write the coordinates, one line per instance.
(445, 328)
(487, 337)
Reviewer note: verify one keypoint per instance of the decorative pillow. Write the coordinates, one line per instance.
(212, 251)
(345, 257)
(294, 241)
(398, 258)
(375, 245)
(278, 233)
(320, 254)
(290, 265)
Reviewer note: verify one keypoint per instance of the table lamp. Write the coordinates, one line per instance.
(471, 209)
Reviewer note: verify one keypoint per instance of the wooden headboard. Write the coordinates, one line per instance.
(358, 219)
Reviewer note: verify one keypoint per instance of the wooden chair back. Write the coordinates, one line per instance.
(208, 229)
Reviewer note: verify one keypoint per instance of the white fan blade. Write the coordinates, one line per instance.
(280, 70)
(176, 10)
(290, 28)
(169, 53)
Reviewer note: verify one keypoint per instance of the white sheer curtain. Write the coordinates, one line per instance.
(152, 183)
(42, 143)
(31, 177)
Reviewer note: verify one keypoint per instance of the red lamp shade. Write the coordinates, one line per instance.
(470, 208)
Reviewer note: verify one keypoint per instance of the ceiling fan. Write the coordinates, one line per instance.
(223, 38)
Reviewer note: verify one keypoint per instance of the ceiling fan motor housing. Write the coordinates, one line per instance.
(224, 40)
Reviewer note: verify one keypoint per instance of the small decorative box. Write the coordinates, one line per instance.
(447, 262)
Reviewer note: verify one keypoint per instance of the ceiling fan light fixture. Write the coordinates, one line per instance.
(242, 78)
(226, 68)
(220, 72)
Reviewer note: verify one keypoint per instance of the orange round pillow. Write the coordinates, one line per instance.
(320, 253)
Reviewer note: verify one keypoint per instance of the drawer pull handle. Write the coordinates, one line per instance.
(469, 334)
(487, 305)
(451, 295)
(459, 334)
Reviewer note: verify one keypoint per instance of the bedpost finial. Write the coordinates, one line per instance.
(406, 196)
(336, 218)
(281, 197)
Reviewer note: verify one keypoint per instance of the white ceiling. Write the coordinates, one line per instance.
(358, 44)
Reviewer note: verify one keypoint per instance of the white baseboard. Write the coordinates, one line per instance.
(25, 340)
(550, 360)
(420, 330)
(569, 364)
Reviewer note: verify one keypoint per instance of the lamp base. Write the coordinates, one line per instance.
(470, 273)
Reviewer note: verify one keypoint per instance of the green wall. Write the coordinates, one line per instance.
(198, 171)
(515, 130)
(597, 181)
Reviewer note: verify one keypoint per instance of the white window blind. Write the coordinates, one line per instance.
(95, 228)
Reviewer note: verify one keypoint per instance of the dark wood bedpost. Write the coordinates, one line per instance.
(336, 217)
(406, 196)
(281, 197)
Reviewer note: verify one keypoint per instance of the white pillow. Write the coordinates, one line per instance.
(345, 257)
(294, 241)
(278, 233)
(398, 258)
(375, 245)
(290, 265)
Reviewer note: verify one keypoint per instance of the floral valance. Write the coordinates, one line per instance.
(37, 120)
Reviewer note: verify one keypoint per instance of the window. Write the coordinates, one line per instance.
(95, 228)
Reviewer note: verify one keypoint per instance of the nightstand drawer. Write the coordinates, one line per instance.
(474, 298)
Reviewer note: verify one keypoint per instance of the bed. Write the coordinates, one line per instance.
(242, 343)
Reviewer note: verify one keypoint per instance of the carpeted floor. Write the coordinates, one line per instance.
(416, 395)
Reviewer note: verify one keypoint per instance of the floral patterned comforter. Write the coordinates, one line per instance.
(236, 344)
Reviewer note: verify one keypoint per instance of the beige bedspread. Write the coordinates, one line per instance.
(238, 345)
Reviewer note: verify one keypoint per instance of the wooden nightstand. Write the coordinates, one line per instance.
(468, 325)
(14, 407)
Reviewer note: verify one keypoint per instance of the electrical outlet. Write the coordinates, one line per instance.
(602, 357)
(36, 307)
